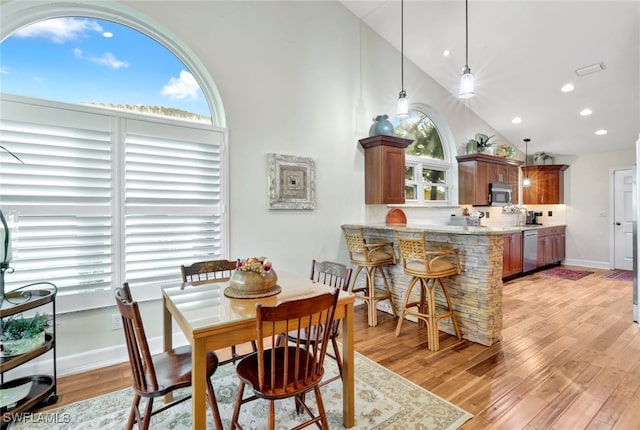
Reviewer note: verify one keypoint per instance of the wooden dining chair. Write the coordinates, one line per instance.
(157, 375)
(288, 371)
(212, 271)
(338, 276)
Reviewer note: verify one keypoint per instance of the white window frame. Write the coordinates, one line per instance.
(20, 109)
(447, 165)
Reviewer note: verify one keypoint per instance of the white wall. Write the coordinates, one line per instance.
(587, 201)
(305, 79)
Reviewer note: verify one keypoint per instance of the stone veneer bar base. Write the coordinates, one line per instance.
(476, 294)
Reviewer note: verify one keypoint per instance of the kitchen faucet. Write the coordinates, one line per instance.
(523, 221)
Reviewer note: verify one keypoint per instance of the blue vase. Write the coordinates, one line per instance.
(381, 125)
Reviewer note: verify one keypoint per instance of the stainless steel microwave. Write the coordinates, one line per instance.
(499, 194)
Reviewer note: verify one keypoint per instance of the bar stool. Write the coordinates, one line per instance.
(428, 267)
(371, 257)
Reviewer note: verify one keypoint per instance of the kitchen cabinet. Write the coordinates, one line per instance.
(384, 167)
(547, 184)
(551, 245)
(477, 171)
(42, 389)
(512, 256)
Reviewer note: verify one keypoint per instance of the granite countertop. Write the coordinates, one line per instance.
(460, 229)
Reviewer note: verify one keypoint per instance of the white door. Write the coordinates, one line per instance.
(623, 220)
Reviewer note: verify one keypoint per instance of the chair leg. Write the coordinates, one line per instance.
(144, 425)
(388, 290)
(434, 337)
(213, 404)
(336, 351)
(371, 292)
(236, 408)
(272, 414)
(134, 412)
(454, 322)
(234, 354)
(355, 279)
(403, 310)
(321, 412)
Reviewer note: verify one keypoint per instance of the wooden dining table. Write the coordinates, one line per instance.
(211, 321)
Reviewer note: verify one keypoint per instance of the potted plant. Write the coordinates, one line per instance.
(480, 143)
(19, 335)
(540, 158)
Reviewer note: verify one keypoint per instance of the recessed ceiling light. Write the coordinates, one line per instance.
(107, 34)
(601, 132)
(446, 52)
(516, 120)
(586, 112)
(567, 88)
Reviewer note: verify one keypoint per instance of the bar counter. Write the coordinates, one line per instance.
(476, 294)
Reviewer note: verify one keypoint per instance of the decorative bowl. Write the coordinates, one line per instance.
(251, 283)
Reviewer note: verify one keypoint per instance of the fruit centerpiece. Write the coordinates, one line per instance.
(253, 277)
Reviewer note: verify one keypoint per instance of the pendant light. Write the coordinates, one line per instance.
(403, 102)
(466, 80)
(526, 182)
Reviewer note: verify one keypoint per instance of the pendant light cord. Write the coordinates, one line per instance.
(402, 45)
(466, 24)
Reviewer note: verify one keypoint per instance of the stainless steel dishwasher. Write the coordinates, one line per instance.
(529, 250)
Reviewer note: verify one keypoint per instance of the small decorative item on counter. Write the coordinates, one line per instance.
(381, 125)
(253, 278)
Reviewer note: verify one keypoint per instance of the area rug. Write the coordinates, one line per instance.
(562, 273)
(384, 400)
(619, 275)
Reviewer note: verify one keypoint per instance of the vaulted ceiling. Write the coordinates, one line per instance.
(521, 53)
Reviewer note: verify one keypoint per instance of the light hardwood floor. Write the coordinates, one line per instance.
(569, 359)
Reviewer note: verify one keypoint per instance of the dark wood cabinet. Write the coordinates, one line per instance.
(547, 184)
(477, 171)
(551, 245)
(512, 257)
(384, 167)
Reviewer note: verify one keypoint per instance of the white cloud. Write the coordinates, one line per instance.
(184, 87)
(59, 30)
(108, 59)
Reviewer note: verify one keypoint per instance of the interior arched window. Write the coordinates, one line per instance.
(427, 167)
(124, 175)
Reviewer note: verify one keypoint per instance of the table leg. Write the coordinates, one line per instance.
(348, 369)
(198, 384)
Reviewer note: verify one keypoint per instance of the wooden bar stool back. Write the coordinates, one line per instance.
(428, 268)
(371, 257)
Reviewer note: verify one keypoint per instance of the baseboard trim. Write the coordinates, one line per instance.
(604, 265)
(90, 360)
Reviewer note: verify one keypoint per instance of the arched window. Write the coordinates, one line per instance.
(429, 176)
(110, 194)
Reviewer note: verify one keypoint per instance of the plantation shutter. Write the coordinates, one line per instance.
(106, 197)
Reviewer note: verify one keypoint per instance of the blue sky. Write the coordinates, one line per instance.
(86, 60)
